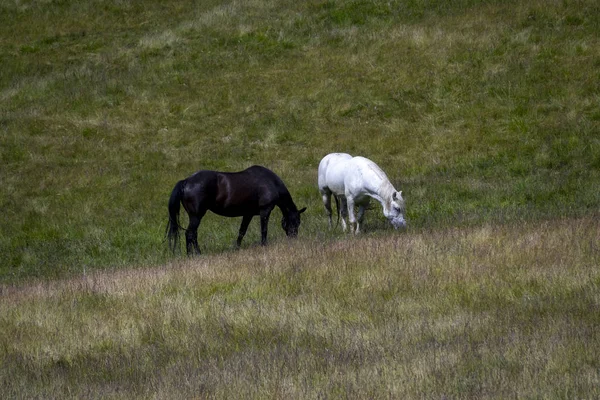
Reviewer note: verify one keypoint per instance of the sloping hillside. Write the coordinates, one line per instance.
(480, 111)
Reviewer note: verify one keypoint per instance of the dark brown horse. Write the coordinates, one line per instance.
(254, 191)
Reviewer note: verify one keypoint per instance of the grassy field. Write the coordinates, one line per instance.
(486, 114)
(484, 312)
(478, 111)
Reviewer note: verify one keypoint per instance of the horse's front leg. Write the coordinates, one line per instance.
(354, 228)
(243, 228)
(359, 217)
(361, 214)
(264, 224)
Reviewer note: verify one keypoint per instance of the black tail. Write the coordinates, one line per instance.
(173, 227)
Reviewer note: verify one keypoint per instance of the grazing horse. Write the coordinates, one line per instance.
(254, 191)
(354, 181)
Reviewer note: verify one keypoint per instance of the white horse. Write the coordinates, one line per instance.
(354, 181)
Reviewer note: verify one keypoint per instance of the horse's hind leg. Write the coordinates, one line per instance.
(191, 235)
(326, 195)
(354, 226)
(343, 211)
(243, 228)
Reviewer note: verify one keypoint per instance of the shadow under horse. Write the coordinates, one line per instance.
(253, 191)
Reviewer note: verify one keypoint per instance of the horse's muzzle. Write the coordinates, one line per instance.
(292, 233)
(398, 222)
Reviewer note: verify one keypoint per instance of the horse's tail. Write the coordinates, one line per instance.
(173, 226)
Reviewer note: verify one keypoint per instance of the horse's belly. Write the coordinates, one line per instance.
(337, 189)
(362, 200)
(236, 210)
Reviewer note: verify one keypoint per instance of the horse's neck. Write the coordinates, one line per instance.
(286, 204)
(384, 193)
(377, 183)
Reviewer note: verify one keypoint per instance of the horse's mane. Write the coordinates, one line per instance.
(386, 190)
(378, 171)
(286, 203)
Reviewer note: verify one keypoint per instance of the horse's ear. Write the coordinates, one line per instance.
(301, 211)
(400, 193)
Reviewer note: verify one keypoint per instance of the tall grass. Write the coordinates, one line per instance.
(482, 312)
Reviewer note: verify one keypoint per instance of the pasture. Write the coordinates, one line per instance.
(484, 312)
(485, 114)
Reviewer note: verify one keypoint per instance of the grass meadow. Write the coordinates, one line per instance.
(483, 312)
(486, 114)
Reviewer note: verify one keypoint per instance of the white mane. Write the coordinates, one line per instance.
(386, 190)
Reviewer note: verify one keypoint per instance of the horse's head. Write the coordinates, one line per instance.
(396, 212)
(291, 222)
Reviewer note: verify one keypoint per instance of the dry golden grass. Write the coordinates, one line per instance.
(488, 312)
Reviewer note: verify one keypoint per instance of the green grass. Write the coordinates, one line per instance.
(484, 113)
(479, 111)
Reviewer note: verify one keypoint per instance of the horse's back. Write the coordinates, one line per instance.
(247, 191)
(333, 158)
(331, 169)
(367, 167)
(364, 173)
(262, 173)
(262, 177)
